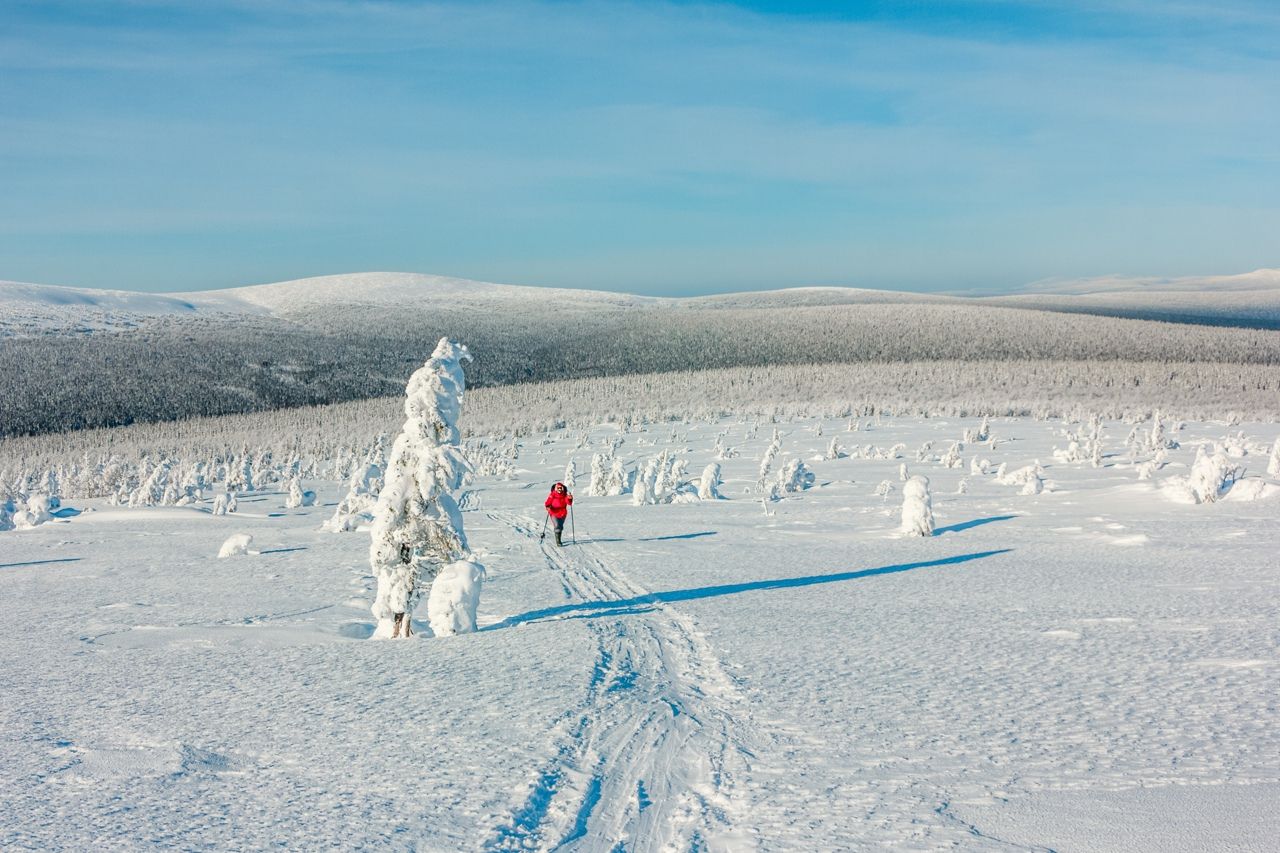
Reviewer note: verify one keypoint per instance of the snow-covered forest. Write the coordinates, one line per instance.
(334, 437)
(282, 351)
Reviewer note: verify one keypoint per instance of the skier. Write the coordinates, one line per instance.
(557, 504)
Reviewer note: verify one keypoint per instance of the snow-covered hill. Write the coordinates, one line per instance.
(74, 358)
(33, 309)
(1260, 280)
(1250, 299)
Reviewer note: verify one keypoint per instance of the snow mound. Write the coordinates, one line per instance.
(455, 595)
(236, 545)
(1252, 489)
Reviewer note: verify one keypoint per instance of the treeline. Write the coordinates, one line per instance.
(173, 368)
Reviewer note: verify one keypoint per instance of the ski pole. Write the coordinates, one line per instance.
(573, 530)
(542, 537)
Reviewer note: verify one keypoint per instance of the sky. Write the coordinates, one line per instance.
(657, 148)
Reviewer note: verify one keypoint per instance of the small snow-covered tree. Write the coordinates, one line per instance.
(570, 475)
(597, 488)
(834, 450)
(795, 476)
(917, 507)
(952, 459)
(356, 507)
(766, 461)
(293, 499)
(903, 474)
(1211, 477)
(417, 529)
(617, 484)
(709, 483)
(1273, 461)
(1158, 438)
(32, 512)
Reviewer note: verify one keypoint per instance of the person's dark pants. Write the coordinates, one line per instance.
(559, 523)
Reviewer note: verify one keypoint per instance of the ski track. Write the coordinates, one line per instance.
(651, 759)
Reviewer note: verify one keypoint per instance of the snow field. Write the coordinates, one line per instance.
(1082, 668)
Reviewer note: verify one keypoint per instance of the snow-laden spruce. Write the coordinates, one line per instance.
(417, 528)
(917, 507)
(597, 487)
(709, 483)
(356, 508)
(32, 512)
(1212, 476)
(298, 496)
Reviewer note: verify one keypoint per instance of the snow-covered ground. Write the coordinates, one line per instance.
(1093, 667)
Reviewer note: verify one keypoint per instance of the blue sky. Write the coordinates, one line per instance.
(648, 147)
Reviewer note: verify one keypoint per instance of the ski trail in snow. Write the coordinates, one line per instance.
(652, 758)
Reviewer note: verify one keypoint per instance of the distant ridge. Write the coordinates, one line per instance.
(1258, 280)
(74, 358)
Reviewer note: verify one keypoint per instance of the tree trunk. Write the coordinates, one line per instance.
(402, 620)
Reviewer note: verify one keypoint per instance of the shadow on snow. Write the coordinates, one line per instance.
(40, 562)
(645, 603)
(646, 539)
(965, 525)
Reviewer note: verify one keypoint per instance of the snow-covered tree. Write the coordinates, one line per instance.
(1273, 461)
(709, 483)
(642, 492)
(1158, 439)
(570, 478)
(794, 477)
(834, 450)
(952, 459)
(917, 507)
(1033, 484)
(1211, 477)
(298, 496)
(597, 488)
(766, 461)
(617, 484)
(32, 512)
(417, 530)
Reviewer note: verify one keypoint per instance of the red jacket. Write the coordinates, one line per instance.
(558, 504)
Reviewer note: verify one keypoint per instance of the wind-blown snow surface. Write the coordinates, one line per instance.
(1090, 668)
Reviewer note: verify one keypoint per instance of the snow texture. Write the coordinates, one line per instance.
(1089, 668)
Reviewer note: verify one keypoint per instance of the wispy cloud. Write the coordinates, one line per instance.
(505, 136)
